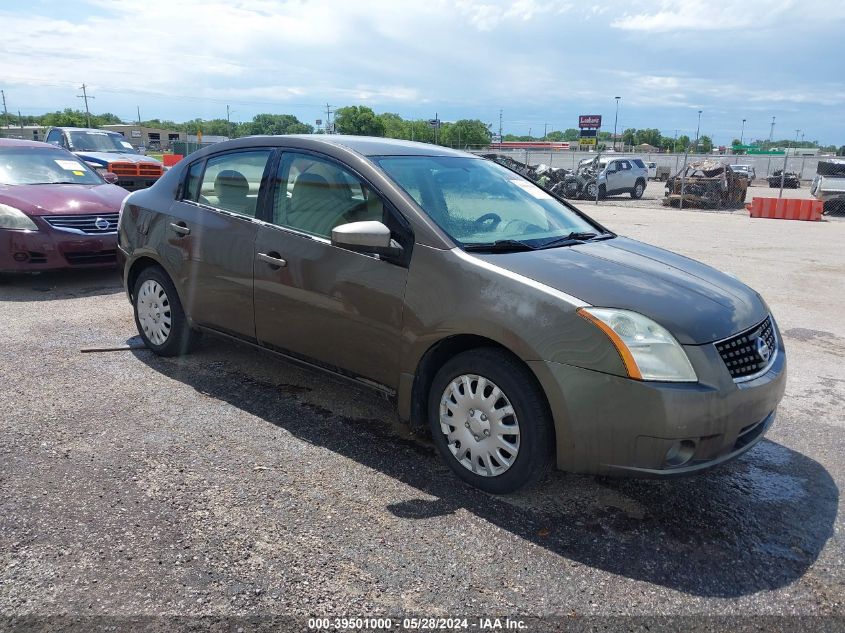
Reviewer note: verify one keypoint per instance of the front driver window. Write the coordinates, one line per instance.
(231, 181)
(314, 195)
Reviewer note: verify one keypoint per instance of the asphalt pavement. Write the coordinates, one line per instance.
(231, 483)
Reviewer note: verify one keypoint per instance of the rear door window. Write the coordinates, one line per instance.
(231, 181)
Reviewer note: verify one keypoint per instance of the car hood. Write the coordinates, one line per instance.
(104, 158)
(696, 303)
(63, 199)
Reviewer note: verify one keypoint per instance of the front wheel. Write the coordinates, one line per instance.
(159, 315)
(638, 190)
(490, 421)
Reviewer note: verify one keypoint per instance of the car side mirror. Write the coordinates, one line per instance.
(369, 236)
(109, 177)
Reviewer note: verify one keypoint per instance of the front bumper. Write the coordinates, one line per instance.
(34, 251)
(617, 426)
(136, 183)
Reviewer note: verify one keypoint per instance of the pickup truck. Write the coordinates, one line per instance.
(107, 151)
(829, 185)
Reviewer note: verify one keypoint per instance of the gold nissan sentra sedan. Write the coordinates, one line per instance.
(523, 333)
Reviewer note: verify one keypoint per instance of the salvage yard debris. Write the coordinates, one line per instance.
(790, 180)
(707, 184)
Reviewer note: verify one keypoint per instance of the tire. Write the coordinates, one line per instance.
(638, 190)
(456, 394)
(159, 316)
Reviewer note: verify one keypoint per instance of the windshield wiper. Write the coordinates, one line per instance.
(60, 182)
(500, 246)
(571, 239)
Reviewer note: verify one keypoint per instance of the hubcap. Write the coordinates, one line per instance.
(154, 311)
(480, 425)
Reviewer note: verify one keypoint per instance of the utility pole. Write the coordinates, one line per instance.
(615, 121)
(545, 131)
(697, 130)
(329, 127)
(139, 115)
(742, 133)
(500, 128)
(20, 120)
(86, 96)
(771, 132)
(5, 111)
(229, 122)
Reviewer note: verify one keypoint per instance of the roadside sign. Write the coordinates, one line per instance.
(434, 122)
(319, 121)
(589, 121)
(588, 140)
(135, 133)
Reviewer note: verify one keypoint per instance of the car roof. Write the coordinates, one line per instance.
(16, 142)
(84, 129)
(369, 145)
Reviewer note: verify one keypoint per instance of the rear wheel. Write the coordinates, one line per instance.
(159, 315)
(490, 422)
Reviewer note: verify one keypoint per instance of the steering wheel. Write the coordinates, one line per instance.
(488, 221)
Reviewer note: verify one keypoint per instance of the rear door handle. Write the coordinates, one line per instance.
(274, 259)
(180, 228)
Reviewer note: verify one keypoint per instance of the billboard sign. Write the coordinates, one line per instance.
(588, 140)
(589, 121)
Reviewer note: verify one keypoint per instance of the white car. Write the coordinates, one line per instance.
(747, 170)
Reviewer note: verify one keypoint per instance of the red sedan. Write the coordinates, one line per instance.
(55, 211)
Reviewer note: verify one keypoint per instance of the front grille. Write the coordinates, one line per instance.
(744, 354)
(93, 224)
(146, 170)
(80, 258)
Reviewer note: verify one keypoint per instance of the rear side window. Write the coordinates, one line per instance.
(192, 181)
(641, 164)
(624, 165)
(231, 181)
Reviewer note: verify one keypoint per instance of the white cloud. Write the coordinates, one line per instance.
(694, 15)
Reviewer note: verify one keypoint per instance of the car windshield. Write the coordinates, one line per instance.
(476, 201)
(24, 166)
(96, 141)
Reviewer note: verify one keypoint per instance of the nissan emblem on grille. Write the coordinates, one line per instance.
(763, 349)
(101, 223)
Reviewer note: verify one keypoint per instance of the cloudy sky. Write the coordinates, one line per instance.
(540, 61)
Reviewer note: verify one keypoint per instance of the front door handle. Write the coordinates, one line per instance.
(180, 228)
(274, 259)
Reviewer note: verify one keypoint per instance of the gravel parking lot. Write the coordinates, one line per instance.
(231, 483)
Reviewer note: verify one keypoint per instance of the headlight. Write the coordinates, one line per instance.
(12, 218)
(648, 350)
